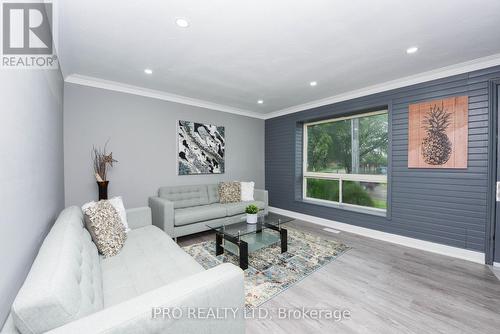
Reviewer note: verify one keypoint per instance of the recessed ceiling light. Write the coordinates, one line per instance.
(313, 83)
(411, 50)
(148, 71)
(182, 23)
(260, 101)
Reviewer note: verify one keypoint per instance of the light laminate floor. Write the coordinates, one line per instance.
(388, 289)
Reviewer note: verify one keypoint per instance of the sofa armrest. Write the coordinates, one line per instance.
(262, 195)
(215, 289)
(138, 217)
(163, 214)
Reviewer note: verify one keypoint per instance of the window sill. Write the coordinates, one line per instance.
(347, 207)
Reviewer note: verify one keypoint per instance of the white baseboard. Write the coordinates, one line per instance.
(331, 230)
(428, 246)
(496, 264)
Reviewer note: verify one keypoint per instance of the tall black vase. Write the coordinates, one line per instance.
(103, 189)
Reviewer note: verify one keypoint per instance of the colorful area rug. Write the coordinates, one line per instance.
(270, 272)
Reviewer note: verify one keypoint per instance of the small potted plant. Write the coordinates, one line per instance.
(251, 212)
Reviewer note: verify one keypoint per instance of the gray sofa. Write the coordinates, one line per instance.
(183, 210)
(71, 289)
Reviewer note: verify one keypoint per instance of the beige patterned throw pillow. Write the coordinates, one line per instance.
(229, 192)
(107, 231)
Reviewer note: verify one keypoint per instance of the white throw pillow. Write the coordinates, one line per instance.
(117, 203)
(247, 191)
(88, 205)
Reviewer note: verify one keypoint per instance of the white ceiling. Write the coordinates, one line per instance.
(236, 52)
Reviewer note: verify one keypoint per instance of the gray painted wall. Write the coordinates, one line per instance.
(31, 174)
(142, 133)
(444, 206)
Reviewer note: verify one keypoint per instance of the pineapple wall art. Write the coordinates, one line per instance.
(437, 133)
(436, 146)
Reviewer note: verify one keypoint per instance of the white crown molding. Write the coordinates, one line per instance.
(469, 66)
(155, 94)
(428, 246)
(448, 71)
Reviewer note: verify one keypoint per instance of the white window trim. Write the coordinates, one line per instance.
(346, 206)
(348, 177)
(338, 176)
(331, 120)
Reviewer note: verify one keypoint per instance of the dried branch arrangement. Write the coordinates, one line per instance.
(102, 161)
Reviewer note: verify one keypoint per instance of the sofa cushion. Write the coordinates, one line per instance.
(185, 196)
(149, 260)
(238, 208)
(200, 213)
(247, 190)
(229, 192)
(117, 203)
(65, 282)
(213, 193)
(105, 227)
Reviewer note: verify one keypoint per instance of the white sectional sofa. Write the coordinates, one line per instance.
(183, 210)
(71, 289)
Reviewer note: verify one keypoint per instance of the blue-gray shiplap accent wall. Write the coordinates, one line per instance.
(444, 206)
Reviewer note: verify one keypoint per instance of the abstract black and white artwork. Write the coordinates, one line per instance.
(201, 148)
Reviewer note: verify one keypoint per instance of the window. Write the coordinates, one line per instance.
(345, 161)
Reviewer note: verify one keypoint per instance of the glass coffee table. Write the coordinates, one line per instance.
(240, 238)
